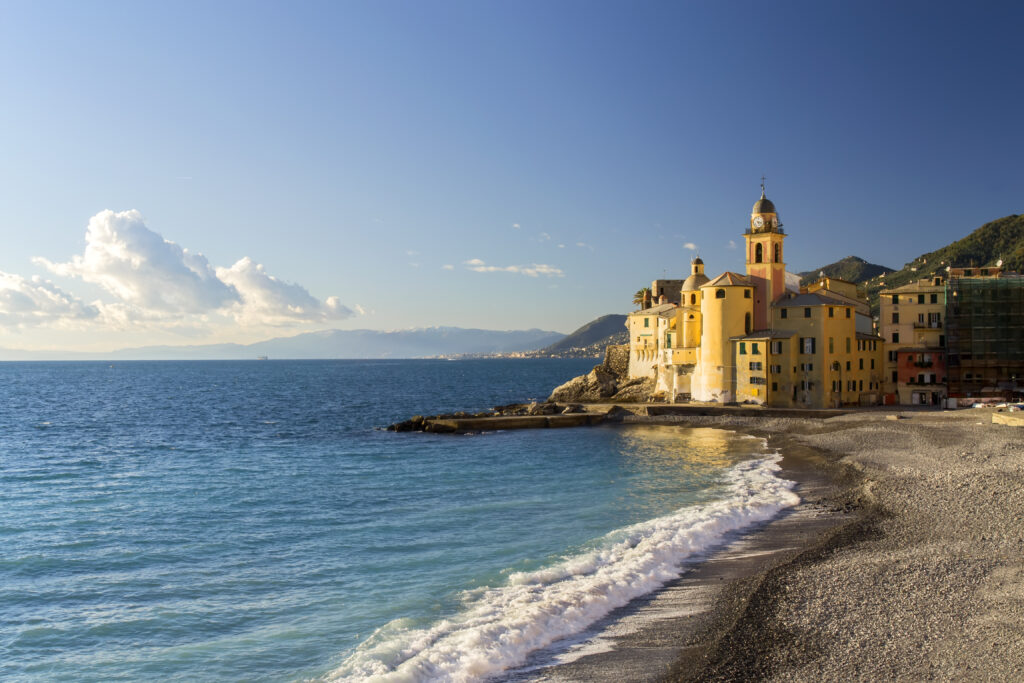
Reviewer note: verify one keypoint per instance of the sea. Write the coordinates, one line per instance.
(251, 520)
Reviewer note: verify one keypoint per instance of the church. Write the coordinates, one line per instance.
(758, 337)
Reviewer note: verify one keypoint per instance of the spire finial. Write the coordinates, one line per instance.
(762, 187)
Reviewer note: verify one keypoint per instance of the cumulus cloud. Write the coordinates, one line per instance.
(267, 300)
(447, 266)
(533, 270)
(34, 301)
(154, 279)
(142, 269)
(691, 246)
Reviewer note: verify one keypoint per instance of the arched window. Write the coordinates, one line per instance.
(778, 253)
(693, 298)
(758, 253)
(719, 293)
(746, 323)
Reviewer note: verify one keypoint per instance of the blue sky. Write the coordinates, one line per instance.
(329, 160)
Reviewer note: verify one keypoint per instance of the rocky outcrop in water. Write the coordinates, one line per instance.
(607, 382)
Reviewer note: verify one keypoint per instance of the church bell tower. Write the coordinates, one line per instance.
(765, 267)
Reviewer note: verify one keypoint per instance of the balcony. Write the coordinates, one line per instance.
(923, 363)
(933, 325)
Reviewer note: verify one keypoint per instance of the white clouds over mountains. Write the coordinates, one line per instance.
(151, 279)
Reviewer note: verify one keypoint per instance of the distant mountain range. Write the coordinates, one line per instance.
(415, 343)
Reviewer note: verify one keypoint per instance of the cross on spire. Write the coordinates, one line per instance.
(762, 186)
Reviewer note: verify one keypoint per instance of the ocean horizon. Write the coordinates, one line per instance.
(225, 520)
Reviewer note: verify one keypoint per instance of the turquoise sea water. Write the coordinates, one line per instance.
(250, 521)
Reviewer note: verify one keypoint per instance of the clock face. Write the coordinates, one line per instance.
(758, 222)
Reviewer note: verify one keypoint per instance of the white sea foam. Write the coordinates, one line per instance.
(500, 626)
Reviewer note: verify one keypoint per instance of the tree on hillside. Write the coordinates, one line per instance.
(641, 296)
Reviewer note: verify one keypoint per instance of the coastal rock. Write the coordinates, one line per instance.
(541, 409)
(573, 408)
(599, 384)
(635, 391)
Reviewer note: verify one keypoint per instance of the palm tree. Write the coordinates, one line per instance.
(641, 297)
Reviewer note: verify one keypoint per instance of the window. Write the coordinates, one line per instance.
(647, 322)
(831, 345)
(920, 318)
(668, 340)
(808, 344)
(746, 293)
(984, 271)
(693, 299)
(935, 298)
(895, 337)
(847, 344)
(895, 318)
(968, 272)
(895, 299)
(746, 323)
(778, 253)
(920, 298)
(754, 348)
(847, 312)
(861, 364)
(782, 313)
(758, 253)
(775, 385)
(892, 356)
(861, 384)
(847, 365)
(757, 380)
(775, 369)
(743, 348)
(756, 366)
(719, 293)
(895, 376)
(831, 312)
(776, 347)
(942, 340)
(807, 313)
(872, 363)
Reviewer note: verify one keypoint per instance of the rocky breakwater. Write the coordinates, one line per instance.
(500, 415)
(608, 382)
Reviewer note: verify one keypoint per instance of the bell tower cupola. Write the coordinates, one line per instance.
(765, 266)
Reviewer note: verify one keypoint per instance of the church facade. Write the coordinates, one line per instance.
(758, 337)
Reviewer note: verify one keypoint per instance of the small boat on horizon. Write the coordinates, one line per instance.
(261, 358)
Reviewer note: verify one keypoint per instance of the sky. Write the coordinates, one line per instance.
(188, 173)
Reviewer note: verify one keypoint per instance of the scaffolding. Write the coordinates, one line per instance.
(985, 336)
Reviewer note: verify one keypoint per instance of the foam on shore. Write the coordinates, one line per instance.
(500, 626)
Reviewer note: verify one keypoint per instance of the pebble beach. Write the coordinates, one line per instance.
(905, 561)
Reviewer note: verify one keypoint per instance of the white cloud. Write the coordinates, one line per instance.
(561, 246)
(153, 279)
(691, 246)
(30, 302)
(532, 270)
(267, 300)
(544, 237)
(732, 244)
(142, 269)
(447, 266)
(411, 252)
(516, 226)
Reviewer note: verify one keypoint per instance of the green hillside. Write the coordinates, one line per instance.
(1001, 239)
(851, 269)
(592, 337)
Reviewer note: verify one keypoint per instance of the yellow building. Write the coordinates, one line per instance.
(912, 323)
(755, 338)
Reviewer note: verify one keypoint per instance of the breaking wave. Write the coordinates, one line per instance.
(499, 627)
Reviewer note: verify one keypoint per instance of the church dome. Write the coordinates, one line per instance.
(763, 205)
(694, 282)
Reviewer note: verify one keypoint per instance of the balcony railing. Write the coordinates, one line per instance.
(932, 325)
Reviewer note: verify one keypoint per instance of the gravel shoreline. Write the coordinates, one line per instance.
(919, 576)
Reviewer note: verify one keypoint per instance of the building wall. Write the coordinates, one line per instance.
(643, 344)
(724, 318)
(911, 317)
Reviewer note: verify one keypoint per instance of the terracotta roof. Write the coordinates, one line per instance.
(729, 279)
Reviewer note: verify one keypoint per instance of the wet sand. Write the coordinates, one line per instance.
(905, 560)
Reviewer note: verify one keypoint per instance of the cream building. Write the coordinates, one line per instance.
(756, 337)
